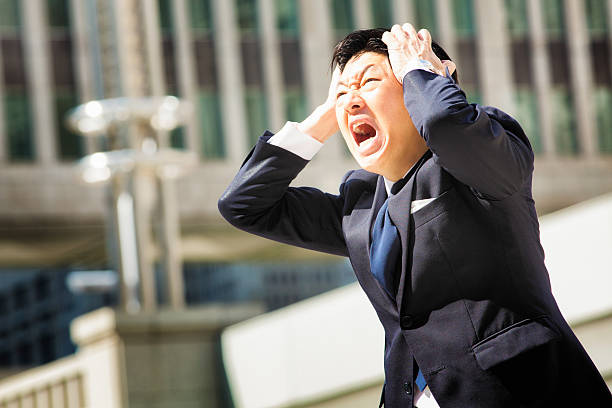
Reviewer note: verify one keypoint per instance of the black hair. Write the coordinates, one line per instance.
(370, 40)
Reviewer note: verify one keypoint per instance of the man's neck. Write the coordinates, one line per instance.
(399, 171)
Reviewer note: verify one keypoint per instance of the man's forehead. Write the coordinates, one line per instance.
(361, 63)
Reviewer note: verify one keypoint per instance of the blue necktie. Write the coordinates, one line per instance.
(385, 253)
(385, 250)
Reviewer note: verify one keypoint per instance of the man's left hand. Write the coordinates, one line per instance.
(409, 50)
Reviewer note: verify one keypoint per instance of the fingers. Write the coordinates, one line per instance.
(425, 35)
(410, 31)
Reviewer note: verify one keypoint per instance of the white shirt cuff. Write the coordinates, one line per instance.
(417, 64)
(290, 138)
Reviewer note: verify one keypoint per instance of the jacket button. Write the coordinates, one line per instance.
(406, 321)
(408, 388)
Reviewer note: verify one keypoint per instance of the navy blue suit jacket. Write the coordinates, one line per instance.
(474, 307)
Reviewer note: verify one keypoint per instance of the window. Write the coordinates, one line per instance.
(177, 135)
(598, 26)
(252, 68)
(465, 30)
(382, 15)
(70, 145)
(288, 28)
(463, 17)
(342, 16)
(563, 119)
(596, 13)
(553, 17)
(212, 140)
(17, 110)
(425, 15)
(516, 18)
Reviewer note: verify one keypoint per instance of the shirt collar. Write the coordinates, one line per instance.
(389, 184)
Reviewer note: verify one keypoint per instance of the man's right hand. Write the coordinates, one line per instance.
(321, 124)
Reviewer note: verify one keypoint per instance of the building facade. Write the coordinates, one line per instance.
(250, 65)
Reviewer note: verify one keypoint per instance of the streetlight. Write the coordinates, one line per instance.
(140, 174)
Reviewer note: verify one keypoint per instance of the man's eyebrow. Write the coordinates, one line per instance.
(361, 74)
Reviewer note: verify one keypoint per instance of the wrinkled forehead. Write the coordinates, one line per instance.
(365, 62)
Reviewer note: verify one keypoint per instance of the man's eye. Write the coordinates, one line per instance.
(370, 79)
(339, 94)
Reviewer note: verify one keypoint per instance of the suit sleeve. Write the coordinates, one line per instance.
(260, 201)
(481, 147)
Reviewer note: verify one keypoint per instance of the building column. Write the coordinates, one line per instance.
(446, 30)
(363, 15)
(494, 55)
(316, 43)
(38, 70)
(272, 64)
(152, 38)
(229, 70)
(541, 75)
(184, 61)
(403, 12)
(134, 73)
(581, 75)
(82, 58)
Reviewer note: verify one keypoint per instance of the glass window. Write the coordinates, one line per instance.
(247, 15)
(165, 15)
(287, 17)
(257, 114)
(65, 94)
(209, 113)
(527, 115)
(18, 125)
(70, 144)
(596, 14)
(603, 102)
(58, 13)
(425, 14)
(9, 14)
(554, 21)
(463, 17)
(295, 105)
(201, 14)
(342, 15)
(516, 18)
(213, 145)
(382, 15)
(563, 119)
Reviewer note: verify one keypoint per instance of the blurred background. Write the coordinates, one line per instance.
(153, 302)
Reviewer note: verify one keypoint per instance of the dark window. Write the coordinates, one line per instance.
(600, 61)
(521, 61)
(58, 13)
(559, 61)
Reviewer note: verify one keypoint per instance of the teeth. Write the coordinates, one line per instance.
(367, 142)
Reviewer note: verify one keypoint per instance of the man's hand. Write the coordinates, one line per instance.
(322, 123)
(409, 49)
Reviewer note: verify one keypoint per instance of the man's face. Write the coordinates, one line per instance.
(371, 115)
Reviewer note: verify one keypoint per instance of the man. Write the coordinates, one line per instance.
(439, 225)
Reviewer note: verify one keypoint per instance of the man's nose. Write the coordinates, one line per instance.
(353, 101)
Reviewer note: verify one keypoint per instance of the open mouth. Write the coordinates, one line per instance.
(366, 137)
(363, 132)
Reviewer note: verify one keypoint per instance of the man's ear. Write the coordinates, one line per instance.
(450, 65)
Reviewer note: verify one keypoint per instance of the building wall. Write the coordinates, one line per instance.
(250, 65)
